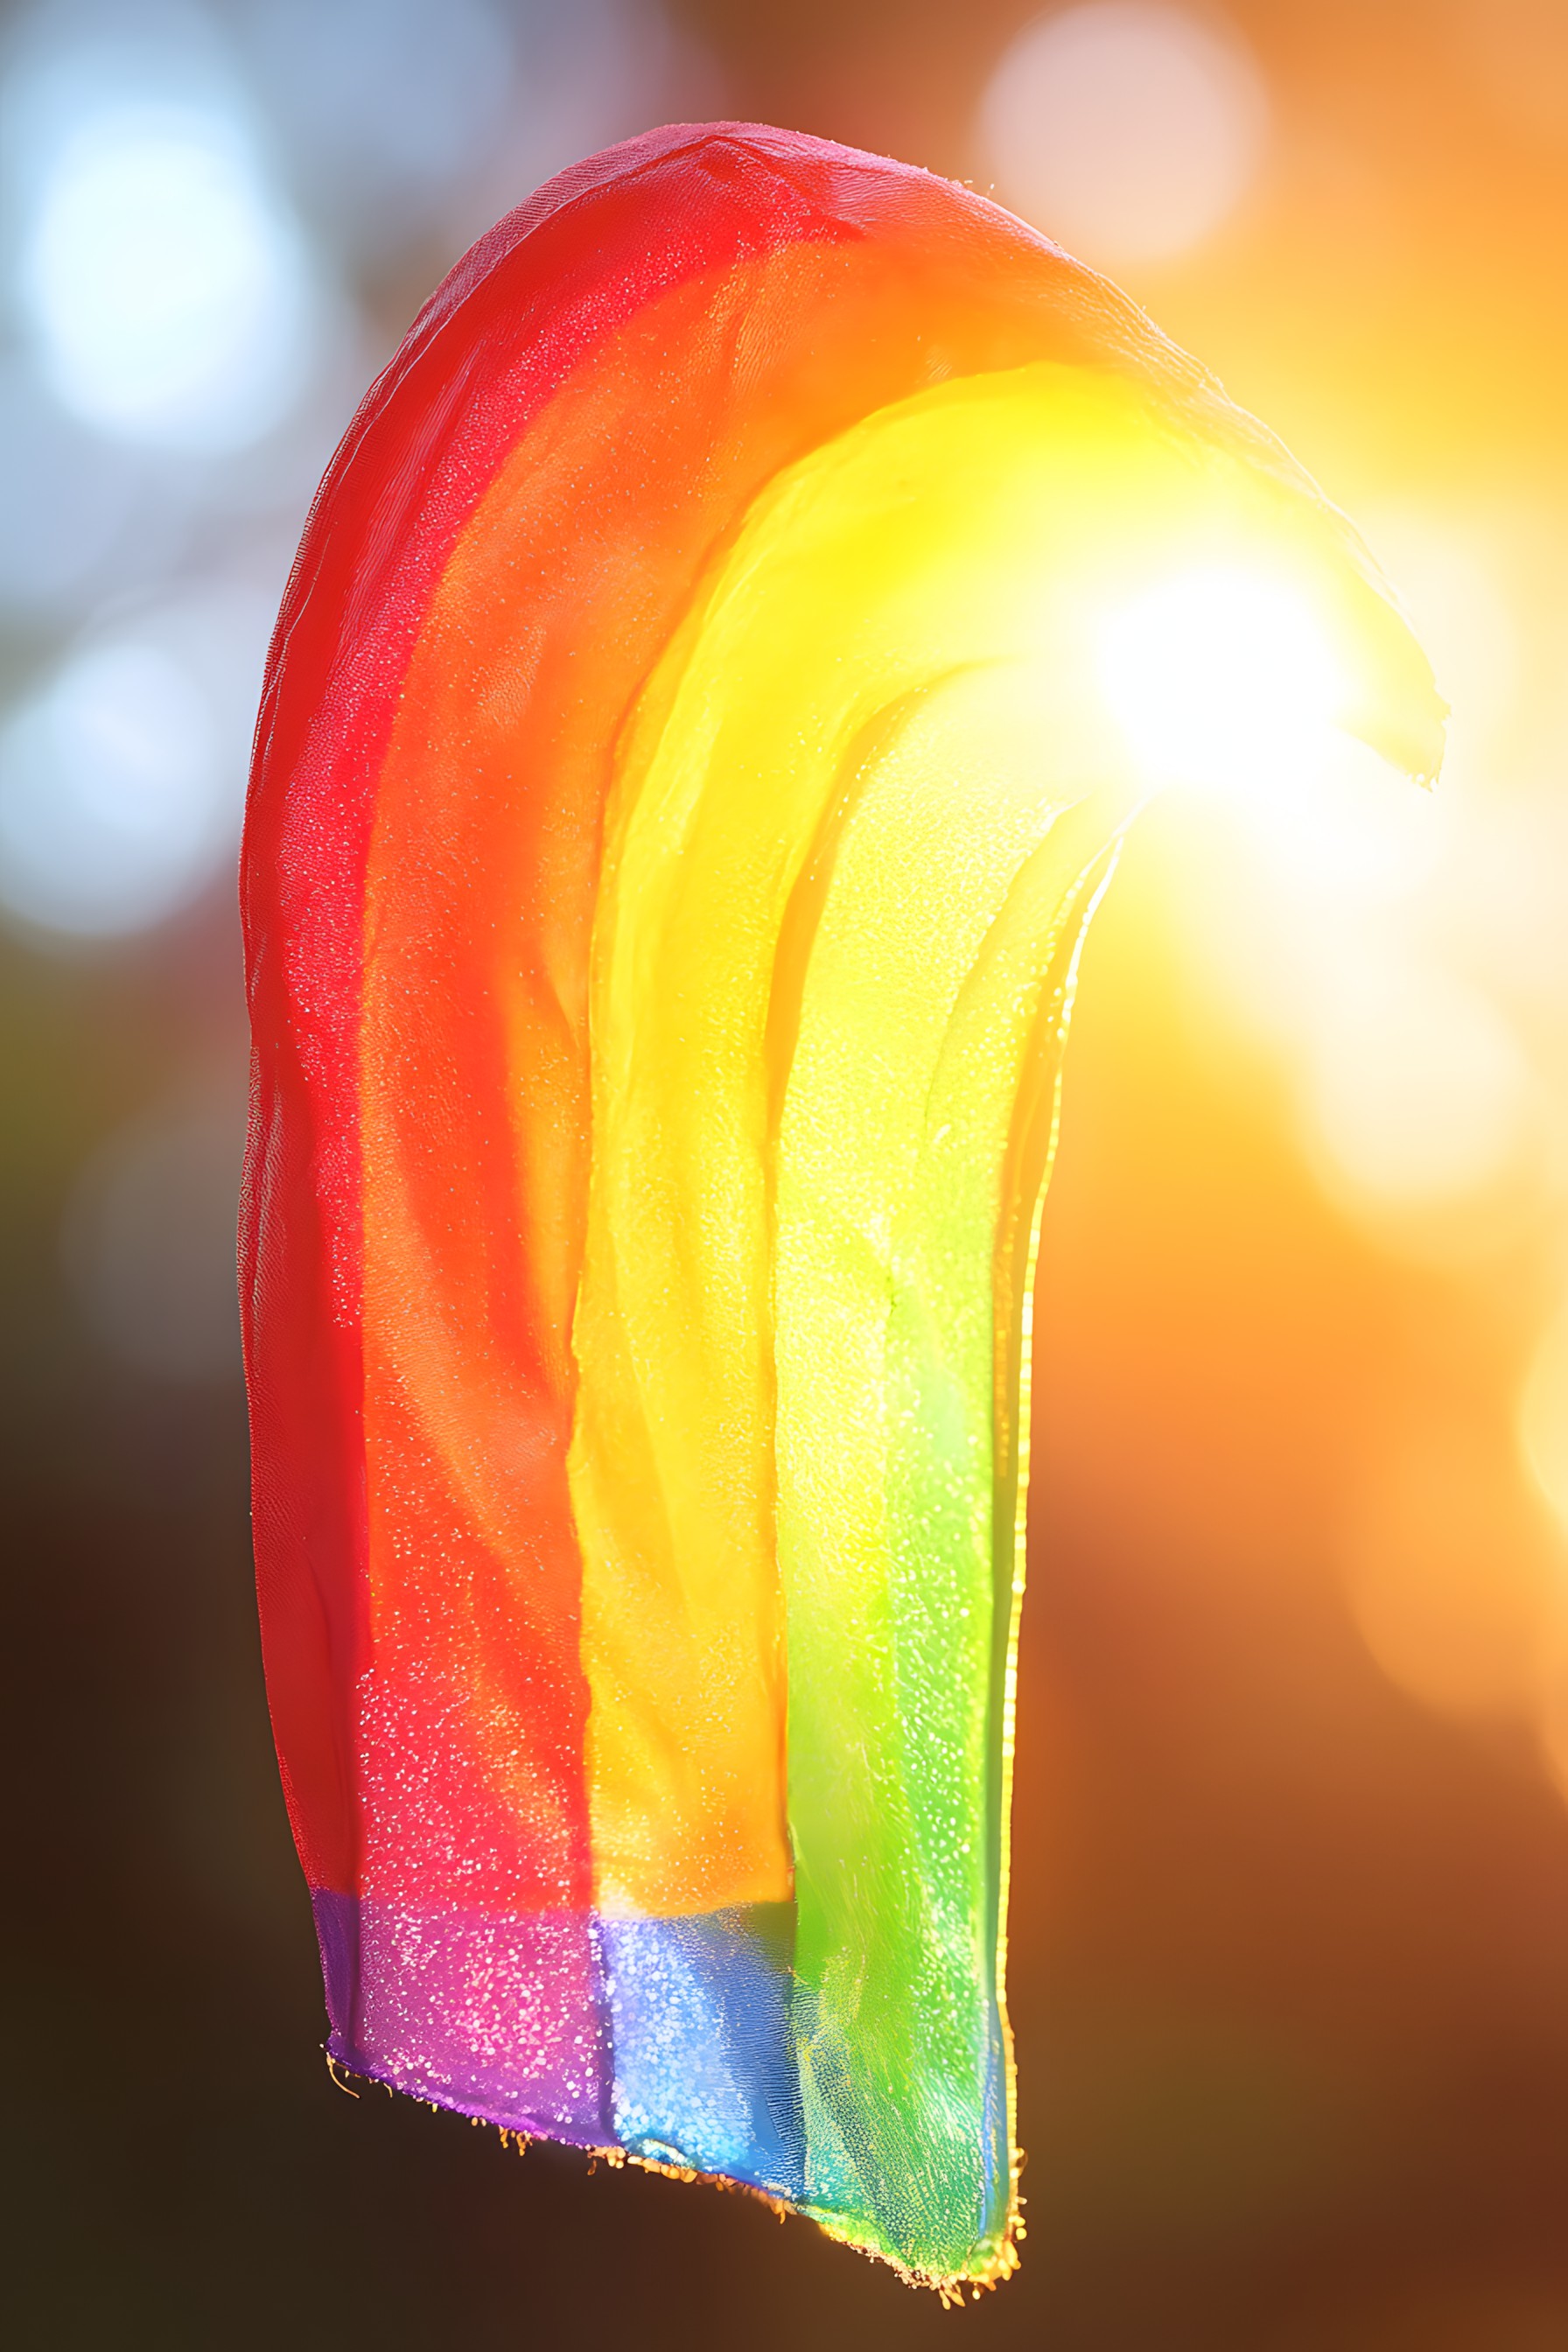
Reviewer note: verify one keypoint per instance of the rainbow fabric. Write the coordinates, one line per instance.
(679, 793)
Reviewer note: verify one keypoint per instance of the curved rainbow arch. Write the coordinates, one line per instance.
(679, 793)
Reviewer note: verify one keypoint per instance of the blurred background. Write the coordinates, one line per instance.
(1290, 1940)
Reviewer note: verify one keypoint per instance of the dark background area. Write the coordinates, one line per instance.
(1289, 1952)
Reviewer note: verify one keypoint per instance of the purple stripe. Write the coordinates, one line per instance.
(496, 2018)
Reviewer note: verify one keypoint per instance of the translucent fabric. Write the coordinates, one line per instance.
(681, 790)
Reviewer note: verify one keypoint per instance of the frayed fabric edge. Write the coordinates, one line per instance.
(952, 2288)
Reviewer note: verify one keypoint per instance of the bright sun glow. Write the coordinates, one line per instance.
(1222, 676)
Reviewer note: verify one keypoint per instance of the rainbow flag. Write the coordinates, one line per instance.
(680, 789)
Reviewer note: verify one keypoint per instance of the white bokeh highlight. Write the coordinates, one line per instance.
(1129, 132)
(1414, 1089)
(166, 289)
(122, 778)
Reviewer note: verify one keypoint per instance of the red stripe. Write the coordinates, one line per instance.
(483, 357)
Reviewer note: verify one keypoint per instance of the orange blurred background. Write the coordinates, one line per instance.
(1290, 1939)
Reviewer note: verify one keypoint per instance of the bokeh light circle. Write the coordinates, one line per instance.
(1415, 1089)
(121, 779)
(166, 289)
(1127, 131)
